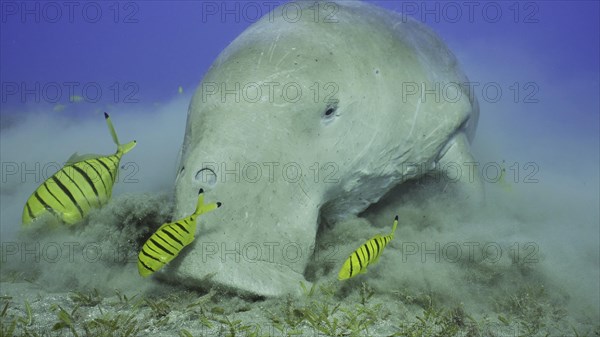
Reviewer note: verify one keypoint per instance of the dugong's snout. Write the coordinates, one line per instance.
(260, 239)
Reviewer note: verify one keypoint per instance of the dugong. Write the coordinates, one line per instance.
(312, 114)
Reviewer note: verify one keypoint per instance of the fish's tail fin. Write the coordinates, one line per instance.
(124, 148)
(394, 226)
(121, 148)
(201, 207)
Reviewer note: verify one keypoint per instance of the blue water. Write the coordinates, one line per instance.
(156, 46)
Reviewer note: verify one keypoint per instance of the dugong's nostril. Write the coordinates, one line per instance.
(206, 177)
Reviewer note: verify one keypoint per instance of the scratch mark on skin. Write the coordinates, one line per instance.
(433, 142)
(301, 185)
(273, 46)
(280, 73)
(429, 136)
(400, 156)
(414, 122)
(433, 131)
(339, 140)
(260, 59)
(283, 58)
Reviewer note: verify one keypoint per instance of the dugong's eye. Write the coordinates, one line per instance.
(330, 112)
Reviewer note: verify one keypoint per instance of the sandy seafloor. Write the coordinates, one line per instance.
(536, 292)
(539, 274)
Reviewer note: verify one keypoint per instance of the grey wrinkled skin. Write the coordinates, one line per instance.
(282, 162)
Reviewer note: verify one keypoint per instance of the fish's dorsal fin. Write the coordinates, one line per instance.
(76, 157)
(121, 148)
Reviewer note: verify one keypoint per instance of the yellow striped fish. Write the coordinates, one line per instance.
(170, 238)
(366, 254)
(83, 183)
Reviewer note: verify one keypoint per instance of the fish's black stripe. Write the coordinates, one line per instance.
(145, 266)
(383, 244)
(99, 176)
(68, 193)
(115, 166)
(152, 249)
(378, 247)
(368, 251)
(175, 229)
(29, 211)
(87, 178)
(161, 247)
(52, 194)
(172, 237)
(165, 240)
(114, 159)
(350, 265)
(106, 167)
(359, 260)
(79, 188)
(43, 202)
(375, 250)
(182, 227)
(150, 256)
